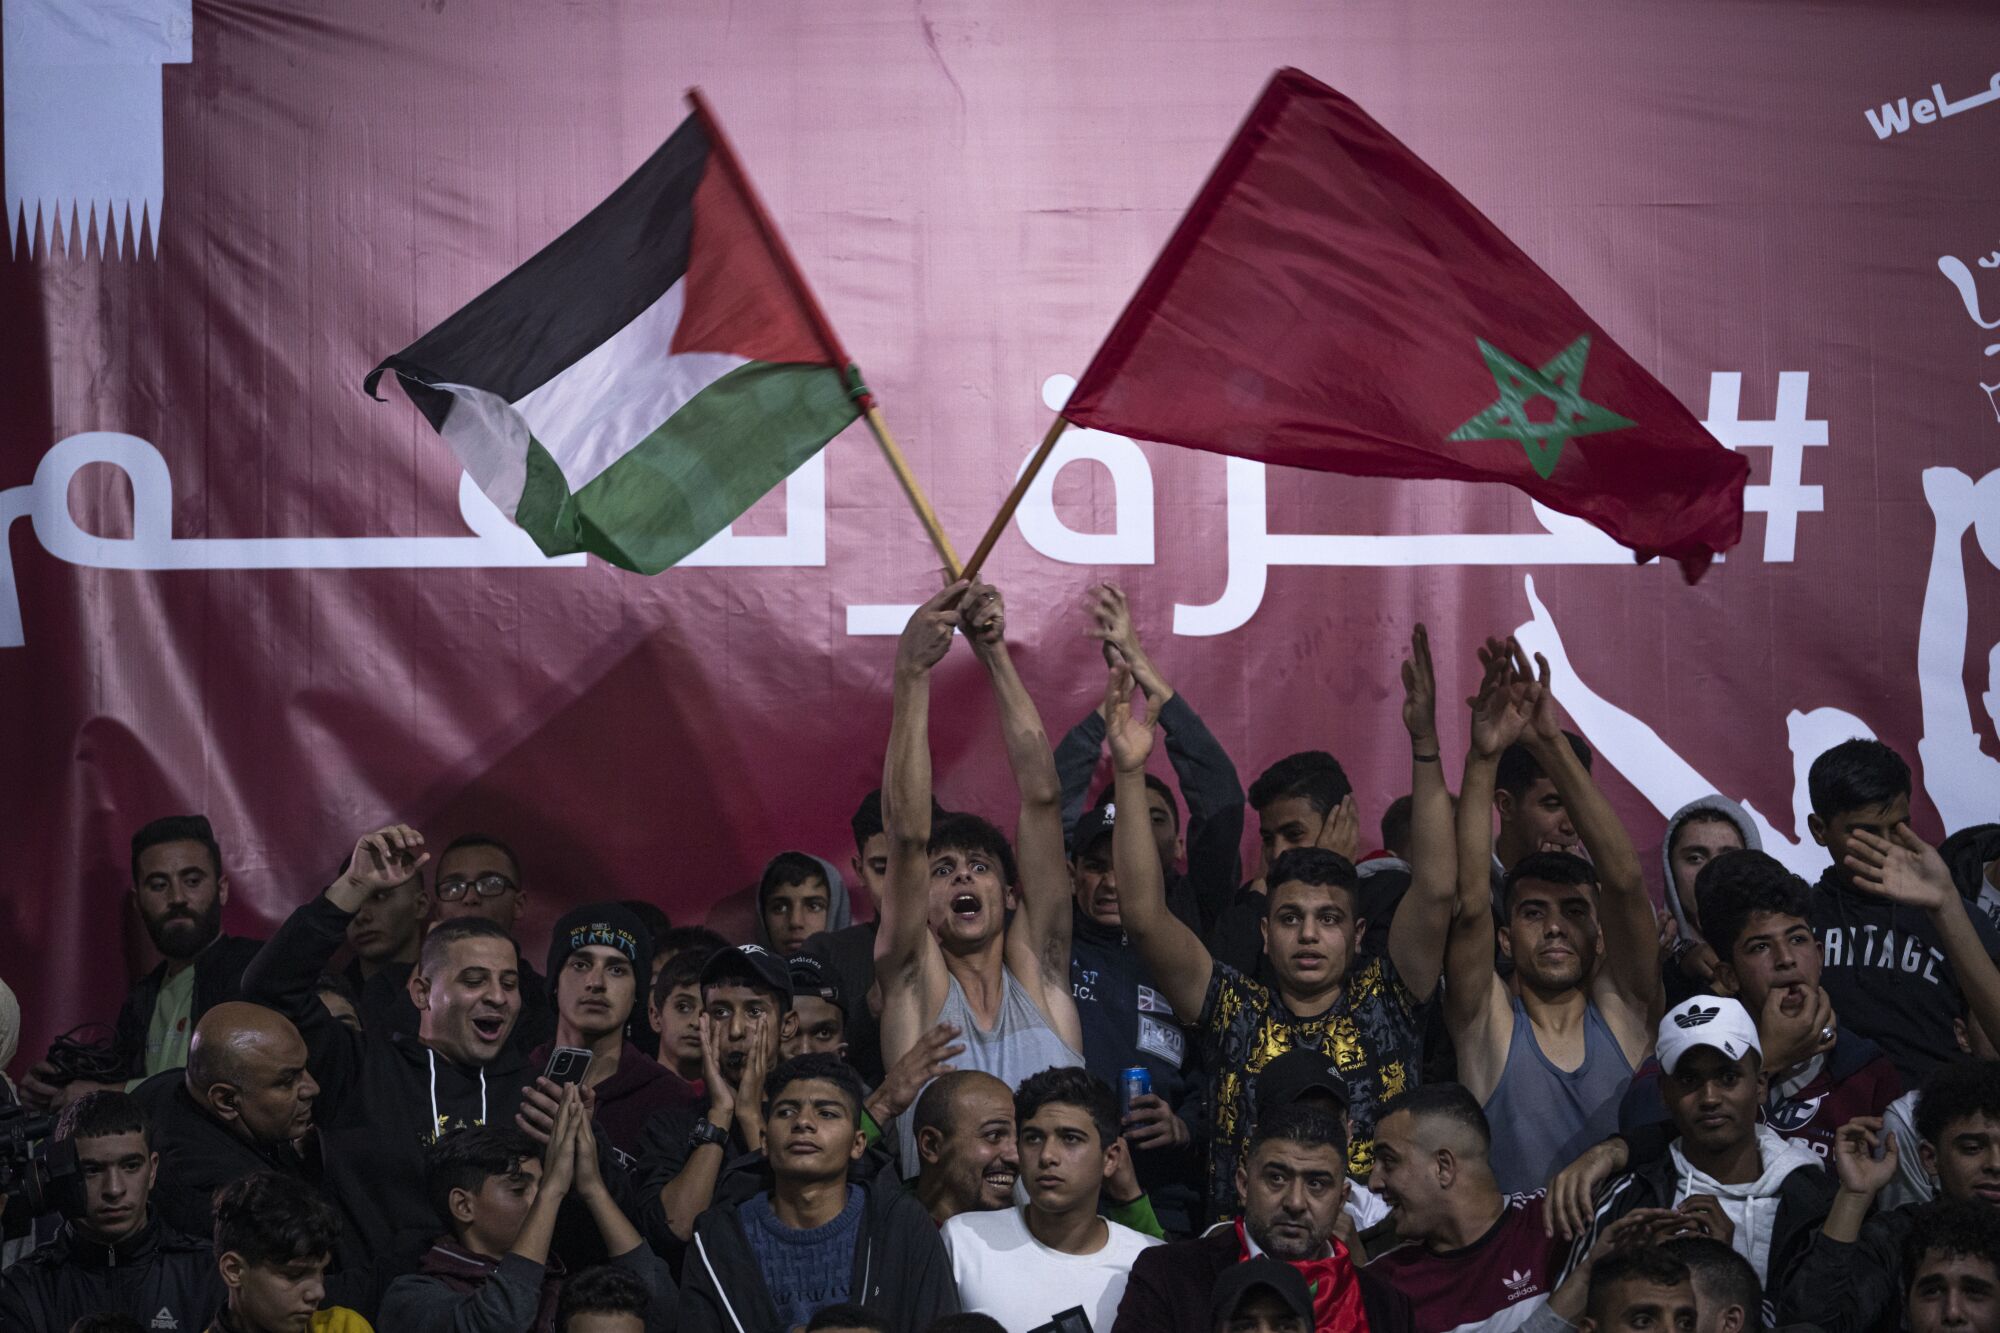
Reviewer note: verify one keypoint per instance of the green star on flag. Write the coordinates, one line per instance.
(1561, 382)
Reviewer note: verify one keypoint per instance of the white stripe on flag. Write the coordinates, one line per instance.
(491, 440)
(592, 413)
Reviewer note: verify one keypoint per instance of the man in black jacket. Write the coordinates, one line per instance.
(1851, 1278)
(1293, 1181)
(114, 1253)
(823, 1224)
(384, 1098)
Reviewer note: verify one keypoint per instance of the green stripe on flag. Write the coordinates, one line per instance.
(695, 474)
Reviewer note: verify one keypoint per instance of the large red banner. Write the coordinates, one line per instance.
(233, 584)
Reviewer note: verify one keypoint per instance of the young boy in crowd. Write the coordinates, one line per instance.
(822, 1009)
(274, 1236)
(498, 1200)
(1851, 1278)
(1727, 1175)
(820, 1221)
(1026, 1265)
(113, 1252)
(675, 1013)
(605, 1299)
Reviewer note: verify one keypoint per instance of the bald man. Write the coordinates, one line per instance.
(243, 1104)
(964, 1129)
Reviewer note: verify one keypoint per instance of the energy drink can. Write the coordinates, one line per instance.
(1134, 1082)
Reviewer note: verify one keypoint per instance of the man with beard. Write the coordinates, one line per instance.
(965, 1140)
(952, 947)
(1366, 1013)
(1292, 1181)
(385, 1096)
(179, 888)
(1549, 1051)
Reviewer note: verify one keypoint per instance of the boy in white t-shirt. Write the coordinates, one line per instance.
(1025, 1266)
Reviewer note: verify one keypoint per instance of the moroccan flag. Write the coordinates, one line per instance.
(640, 382)
(1330, 302)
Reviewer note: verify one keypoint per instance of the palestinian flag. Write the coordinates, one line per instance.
(639, 383)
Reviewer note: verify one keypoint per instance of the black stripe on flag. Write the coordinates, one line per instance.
(576, 292)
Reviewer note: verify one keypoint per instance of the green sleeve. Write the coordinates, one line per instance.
(1137, 1215)
(869, 1129)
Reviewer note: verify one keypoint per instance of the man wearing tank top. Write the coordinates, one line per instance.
(1549, 1051)
(945, 950)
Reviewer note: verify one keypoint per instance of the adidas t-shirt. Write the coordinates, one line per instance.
(1497, 1277)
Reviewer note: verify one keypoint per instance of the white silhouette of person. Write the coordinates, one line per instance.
(1963, 781)
(1668, 781)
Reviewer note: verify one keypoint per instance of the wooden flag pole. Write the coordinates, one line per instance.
(918, 500)
(1006, 514)
(781, 254)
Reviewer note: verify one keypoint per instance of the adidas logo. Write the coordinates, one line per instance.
(1696, 1016)
(164, 1319)
(1519, 1285)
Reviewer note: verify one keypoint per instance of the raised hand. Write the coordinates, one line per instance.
(1340, 831)
(1420, 693)
(984, 615)
(1128, 726)
(559, 1157)
(382, 860)
(1111, 620)
(721, 1094)
(927, 636)
(1789, 1040)
(589, 1179)
(1151, 1123)
(1704, 1217)
(1545, 722)
(1502, 708)
(1862, 1173)
(1902, 868)
(928, 1059)
(750, 1088)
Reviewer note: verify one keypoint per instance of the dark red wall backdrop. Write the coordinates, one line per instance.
(974, 189)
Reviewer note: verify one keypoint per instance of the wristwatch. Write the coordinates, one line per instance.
(705, 1131)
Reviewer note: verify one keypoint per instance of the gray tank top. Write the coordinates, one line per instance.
(1020, 1043)
(1542, 1116)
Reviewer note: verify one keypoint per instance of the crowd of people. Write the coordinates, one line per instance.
(1100, 1074)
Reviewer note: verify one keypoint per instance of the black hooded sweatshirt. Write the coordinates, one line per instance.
(901, 1270)
(162, 1278)
(1887, 976)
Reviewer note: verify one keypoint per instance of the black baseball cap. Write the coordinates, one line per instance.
(751, 963)
(1237, 1281)
(1095, 823)
(1294, 1074)
(810, 977)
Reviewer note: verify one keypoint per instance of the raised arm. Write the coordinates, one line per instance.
(1423, 921)
(1905, 869)
(902, 940)
(1038, 938)
(1172, 954)
(1477, 1010)
(1631, 971)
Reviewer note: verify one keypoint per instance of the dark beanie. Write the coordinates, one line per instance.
(614, 926)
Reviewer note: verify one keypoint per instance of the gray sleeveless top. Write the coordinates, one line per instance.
(1020, 1043)
(1542, 1116)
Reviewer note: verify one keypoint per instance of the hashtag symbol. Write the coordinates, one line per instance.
(1787, 435)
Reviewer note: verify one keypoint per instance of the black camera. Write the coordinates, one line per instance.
(49, 1179)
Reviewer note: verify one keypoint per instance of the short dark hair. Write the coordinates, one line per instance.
(1564, 868)
(847, 1316)
(1396, 824)
(1646, 1264)
(966, 1321)
(1731, 889)
(962, 831)
(484, 840)
(601, 1290)
(1519, 770)
(1313, 775)
(682, 969)
(1302, 1125)
(867, 820)
(107, 1321)
(651, 915)
(1954, 1091)
(786, 869)
(99, 1115)
(823, 1067)
(1443, 1101)
(272, 1220)
(1854, 775)
(1721, 1274)
(437, 943)
(466, 1159)
(177, 828)
(686, 939)
(1955, 1229)
(1069, 1085)
(1311, 865)
(1154, 782)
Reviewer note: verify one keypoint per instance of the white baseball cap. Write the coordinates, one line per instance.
(1707, 1020)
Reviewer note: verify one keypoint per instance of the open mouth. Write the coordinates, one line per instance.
(965, 905)
(1793, 1002)
(489, 1027)
(1001, 1176)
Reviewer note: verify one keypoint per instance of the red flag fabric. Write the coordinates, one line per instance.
(1330, 302)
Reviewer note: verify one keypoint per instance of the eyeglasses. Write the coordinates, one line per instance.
(486, 886)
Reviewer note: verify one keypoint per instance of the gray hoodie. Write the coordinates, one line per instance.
(1729, 810)
(839, 912)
